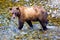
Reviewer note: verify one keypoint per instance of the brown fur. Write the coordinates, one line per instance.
(30, 13)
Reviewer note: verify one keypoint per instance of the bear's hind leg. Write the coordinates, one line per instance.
(43, 25)
(29, 23)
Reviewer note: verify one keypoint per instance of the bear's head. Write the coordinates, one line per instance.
(15, 11)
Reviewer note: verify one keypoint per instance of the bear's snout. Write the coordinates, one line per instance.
(13, 16)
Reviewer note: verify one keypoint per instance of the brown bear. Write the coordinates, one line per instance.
(29, 14)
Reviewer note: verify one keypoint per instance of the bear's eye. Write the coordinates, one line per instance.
(17, 8)
(10, 8)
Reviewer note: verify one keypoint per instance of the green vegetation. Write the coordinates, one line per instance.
(8, 30)
(5, 16)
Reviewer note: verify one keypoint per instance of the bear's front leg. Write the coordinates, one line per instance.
(30, 23)
(20, 24)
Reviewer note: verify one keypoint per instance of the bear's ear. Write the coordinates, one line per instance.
(10, 8)
(17, 8)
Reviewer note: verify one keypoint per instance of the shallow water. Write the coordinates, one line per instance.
(12, 33)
